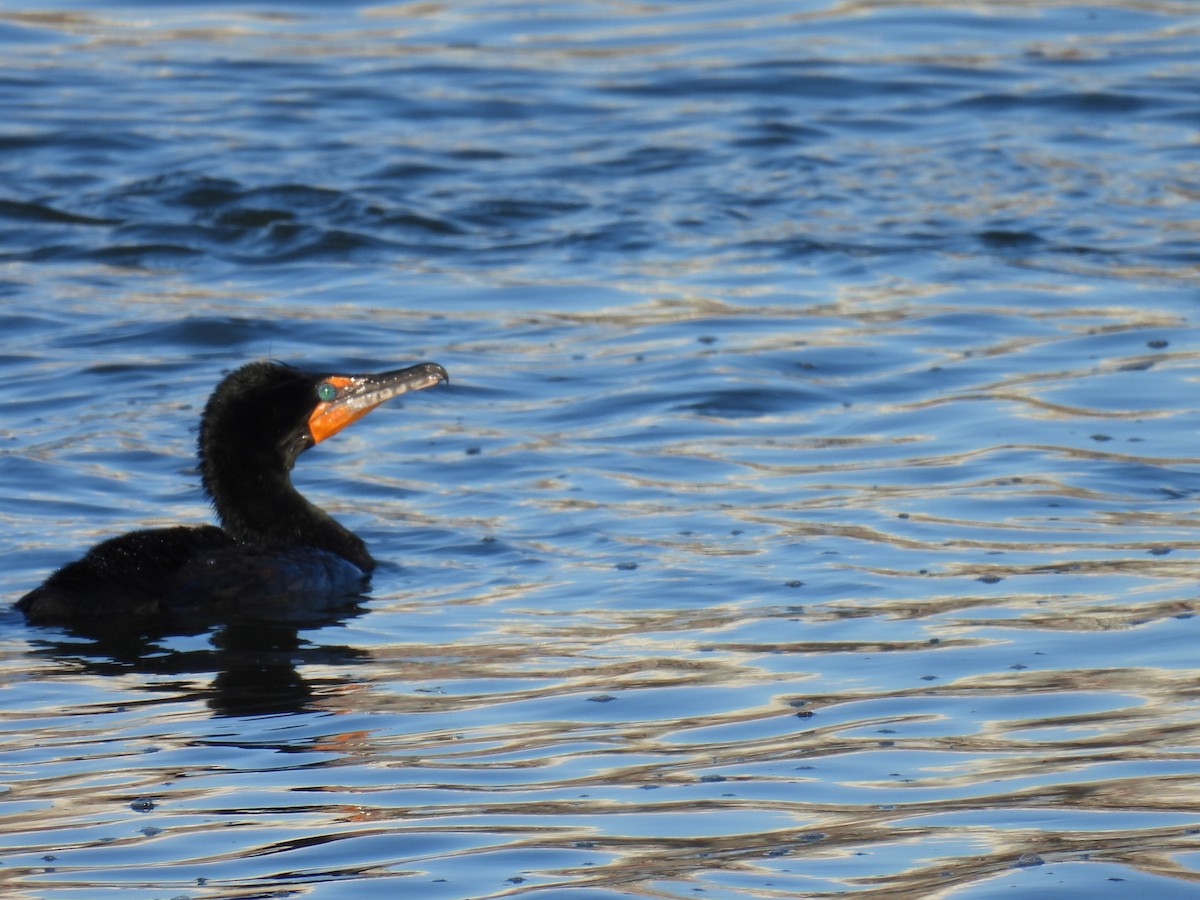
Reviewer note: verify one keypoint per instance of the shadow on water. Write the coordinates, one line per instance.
(255, 664)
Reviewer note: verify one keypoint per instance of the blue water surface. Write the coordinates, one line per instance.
(812, 510)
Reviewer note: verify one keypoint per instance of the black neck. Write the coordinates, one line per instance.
(260, 506)
(254, 426)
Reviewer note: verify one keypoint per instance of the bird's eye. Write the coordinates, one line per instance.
(327, 391)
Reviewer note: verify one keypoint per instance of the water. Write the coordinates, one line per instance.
(812, 510)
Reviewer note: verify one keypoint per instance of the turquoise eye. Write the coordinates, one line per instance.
(327, 391)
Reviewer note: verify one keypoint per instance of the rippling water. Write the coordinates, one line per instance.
(813, 509)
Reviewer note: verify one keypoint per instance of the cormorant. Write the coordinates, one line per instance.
(275, 552)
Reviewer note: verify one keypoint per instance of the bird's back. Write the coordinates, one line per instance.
(190, 572)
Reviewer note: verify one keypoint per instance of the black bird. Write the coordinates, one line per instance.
(275, 553)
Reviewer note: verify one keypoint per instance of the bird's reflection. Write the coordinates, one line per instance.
(255, 663)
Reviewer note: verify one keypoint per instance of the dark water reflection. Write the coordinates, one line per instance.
(812, 511)
(255, 666)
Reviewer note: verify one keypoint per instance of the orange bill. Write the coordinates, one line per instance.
(353, 396)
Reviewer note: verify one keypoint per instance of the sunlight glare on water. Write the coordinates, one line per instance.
(811, 511)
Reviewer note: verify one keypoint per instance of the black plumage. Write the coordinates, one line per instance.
(274, 552)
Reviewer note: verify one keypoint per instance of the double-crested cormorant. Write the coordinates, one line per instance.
(274, 549)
